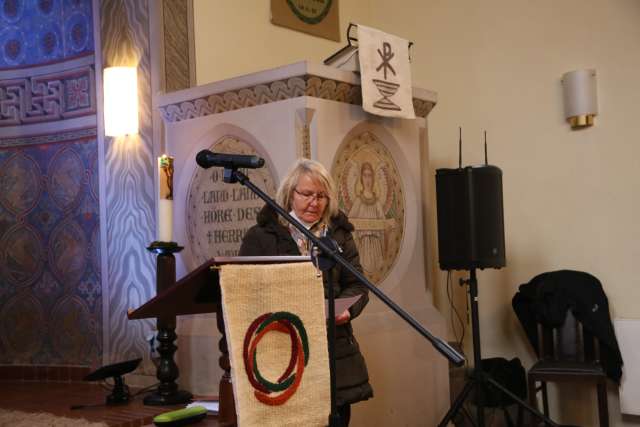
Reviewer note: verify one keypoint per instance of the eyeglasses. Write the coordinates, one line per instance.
(309, 196)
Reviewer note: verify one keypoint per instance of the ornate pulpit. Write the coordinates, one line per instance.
(380, 166)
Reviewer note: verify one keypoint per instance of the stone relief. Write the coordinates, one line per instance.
(371, 194)
(218, 214)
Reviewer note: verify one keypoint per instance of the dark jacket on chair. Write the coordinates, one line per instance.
(548, 296)
(269, 238)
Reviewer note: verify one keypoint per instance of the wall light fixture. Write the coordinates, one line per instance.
(580, 97)
(120, 101)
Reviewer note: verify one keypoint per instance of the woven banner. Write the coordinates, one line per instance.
(277, 339)
(385, 74)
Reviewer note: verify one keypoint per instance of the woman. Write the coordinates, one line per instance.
(308, 193)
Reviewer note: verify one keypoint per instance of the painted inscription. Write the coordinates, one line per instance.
(219, 214)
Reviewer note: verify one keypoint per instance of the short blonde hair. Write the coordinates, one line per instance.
(317, 172)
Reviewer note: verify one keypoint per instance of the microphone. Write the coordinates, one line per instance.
(206, 159)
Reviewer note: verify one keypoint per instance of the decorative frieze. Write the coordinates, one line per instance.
(63, 136)
(48, 97)
(278, 90)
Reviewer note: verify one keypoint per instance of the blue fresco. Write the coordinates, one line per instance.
(37, 32)
(50, 286)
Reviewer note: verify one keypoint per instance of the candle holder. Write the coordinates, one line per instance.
(167, 392)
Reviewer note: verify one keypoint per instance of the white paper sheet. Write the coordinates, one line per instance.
(341, 304)
(212, 406)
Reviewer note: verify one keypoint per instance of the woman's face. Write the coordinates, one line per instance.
(367, 178)
(309, 199)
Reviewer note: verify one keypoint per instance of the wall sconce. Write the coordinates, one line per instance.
(580, 97)
(120, 101)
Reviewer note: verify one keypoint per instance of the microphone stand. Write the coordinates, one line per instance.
(328, 254)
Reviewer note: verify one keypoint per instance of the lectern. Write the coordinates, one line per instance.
(199, 292)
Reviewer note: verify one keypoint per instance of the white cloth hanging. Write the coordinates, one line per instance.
(385, 73)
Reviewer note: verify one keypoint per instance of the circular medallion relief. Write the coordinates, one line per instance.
(12, 10)
(310, 11)
(66, 178)
(77, 28)
(218, 214)
(370, 193)
(68, 249)
(75, 335)
(23, 327)
(49, 43)
(12, 45)
(21, 255)
(20, 184)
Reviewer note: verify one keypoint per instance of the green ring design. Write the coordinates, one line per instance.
(307, 19)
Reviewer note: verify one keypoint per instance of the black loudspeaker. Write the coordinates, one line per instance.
(470, 218)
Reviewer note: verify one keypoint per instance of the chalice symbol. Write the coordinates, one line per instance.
(387, 89)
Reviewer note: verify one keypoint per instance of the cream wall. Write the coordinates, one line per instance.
(571, 197)
(236, 37)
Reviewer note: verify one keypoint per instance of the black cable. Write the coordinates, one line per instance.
(93, 405)
(453, 311)
(142, 390)
(106, 386)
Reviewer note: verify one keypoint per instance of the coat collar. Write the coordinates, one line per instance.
(267, 217)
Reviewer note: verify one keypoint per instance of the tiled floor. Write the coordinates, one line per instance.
(58, 397)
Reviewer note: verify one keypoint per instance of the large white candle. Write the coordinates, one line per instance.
(165, 198)
(165, 219)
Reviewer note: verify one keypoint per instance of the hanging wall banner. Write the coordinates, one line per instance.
(385, 74)
(317, 17)
(275, 327)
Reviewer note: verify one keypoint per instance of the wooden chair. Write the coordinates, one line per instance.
(568, 354)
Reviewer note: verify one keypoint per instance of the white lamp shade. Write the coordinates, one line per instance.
(580, 93)
(120, 101)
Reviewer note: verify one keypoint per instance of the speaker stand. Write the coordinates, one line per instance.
(479, 381)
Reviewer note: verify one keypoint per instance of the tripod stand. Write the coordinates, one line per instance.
(479, 380)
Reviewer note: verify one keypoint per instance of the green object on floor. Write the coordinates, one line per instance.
(181, 417)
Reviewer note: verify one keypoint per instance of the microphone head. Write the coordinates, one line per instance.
(207, 159)
(202, 159)
(259, 162)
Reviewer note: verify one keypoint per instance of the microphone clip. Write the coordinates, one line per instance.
(322, 261)
(229, 175)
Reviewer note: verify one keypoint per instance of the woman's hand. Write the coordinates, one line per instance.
(343, 317)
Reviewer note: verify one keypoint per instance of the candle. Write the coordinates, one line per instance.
(165, 198)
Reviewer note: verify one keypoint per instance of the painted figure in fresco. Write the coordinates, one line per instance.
(372, 194)
(369, 234)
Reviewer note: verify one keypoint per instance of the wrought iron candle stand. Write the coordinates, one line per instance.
(167, 392)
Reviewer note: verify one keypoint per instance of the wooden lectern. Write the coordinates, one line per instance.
(199, 292)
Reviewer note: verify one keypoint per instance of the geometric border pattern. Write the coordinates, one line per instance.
(49, 97)
(62, 136)
(278, 90)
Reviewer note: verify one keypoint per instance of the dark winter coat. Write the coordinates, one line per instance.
(548, 296)
(269, 238)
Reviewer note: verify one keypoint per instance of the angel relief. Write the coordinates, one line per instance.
(371, 195)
